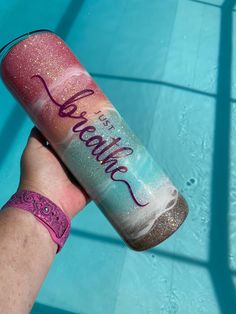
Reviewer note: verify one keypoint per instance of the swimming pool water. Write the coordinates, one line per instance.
(169, 68)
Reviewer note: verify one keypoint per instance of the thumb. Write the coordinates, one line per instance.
(36, 139)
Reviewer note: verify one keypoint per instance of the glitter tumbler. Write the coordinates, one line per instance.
(92, 139)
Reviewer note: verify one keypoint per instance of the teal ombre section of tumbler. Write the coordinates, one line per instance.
(142, 169)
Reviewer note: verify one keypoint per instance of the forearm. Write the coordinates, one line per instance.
(26, 253)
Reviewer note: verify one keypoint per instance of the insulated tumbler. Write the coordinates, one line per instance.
(91, 138)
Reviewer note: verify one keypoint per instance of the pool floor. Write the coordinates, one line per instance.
(169, 68)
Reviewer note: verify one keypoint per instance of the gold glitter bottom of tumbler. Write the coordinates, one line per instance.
(164, 226)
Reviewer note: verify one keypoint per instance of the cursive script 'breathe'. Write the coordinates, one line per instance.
(68, 110)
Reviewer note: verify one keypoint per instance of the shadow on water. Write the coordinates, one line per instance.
(149, 81)
(39, 308)
(155, 82)
(154, 252)
(9, 130)
(206, 3)
(219, 232)
(68, 18)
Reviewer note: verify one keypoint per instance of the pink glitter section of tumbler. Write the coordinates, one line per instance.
(45, 54)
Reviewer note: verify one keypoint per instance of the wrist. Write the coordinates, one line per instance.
(29, 229)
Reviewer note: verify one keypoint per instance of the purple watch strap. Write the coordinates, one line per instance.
(44, 210)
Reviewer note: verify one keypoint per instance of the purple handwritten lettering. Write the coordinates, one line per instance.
(68, 110)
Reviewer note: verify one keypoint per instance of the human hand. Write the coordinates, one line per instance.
(43, 172)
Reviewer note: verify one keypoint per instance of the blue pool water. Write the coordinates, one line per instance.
(169, 67)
